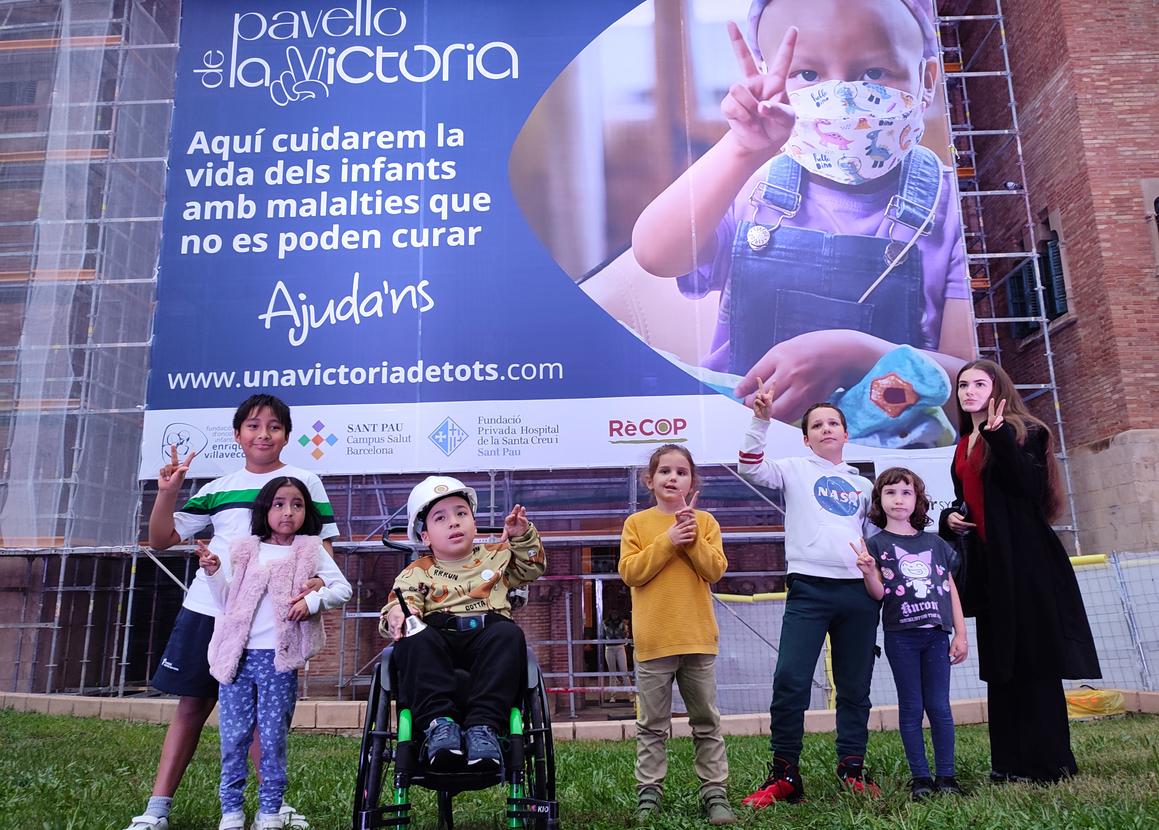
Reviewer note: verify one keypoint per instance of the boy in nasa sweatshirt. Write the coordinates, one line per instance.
(826, 502)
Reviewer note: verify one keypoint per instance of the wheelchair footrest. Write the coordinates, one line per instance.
(531, 808)
(387, 815)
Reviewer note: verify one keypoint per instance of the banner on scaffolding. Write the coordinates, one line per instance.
(503, 235)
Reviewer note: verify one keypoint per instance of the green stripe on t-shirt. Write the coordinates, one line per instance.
(210, 503)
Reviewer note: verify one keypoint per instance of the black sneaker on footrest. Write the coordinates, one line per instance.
(444, 745)
(483, 751)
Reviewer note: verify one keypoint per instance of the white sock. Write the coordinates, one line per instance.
(159, 806)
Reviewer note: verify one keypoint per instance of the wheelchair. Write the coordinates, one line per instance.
(391, 760)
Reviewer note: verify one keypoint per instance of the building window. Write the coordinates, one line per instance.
(1023, 297)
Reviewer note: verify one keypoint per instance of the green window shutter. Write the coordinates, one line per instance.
(1053, 280)
(1020, 290)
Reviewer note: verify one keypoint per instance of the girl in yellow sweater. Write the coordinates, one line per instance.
(670, 555)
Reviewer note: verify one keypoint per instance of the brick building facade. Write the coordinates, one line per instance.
(1084, 85)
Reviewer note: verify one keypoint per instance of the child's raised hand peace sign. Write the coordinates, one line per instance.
(206, 558)
(756, 108)
(172, 475)
(687, 511)
(763, 400)
(516, 523)
(994, 417)
(865, 562)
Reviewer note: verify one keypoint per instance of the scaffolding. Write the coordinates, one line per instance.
(84, 130)
(987, 145)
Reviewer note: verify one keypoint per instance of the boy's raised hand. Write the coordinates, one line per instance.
(763, 399)
(865, 562)
(757, 108)
(516, 523)
(172, 475)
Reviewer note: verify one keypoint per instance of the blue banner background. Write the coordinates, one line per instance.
(502, 301)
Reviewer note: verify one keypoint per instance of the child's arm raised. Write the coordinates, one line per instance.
(868, 567)
(162, 532)
(759, 122)
(752, 464)
(528, 559)
(642, 559)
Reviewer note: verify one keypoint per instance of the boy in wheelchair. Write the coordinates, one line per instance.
(459, 591)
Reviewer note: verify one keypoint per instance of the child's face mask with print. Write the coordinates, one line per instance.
(851, 132)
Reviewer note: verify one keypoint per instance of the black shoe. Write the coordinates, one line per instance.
(921, 788)
(444, 744)
(783, 784)
(483, 748)
(851, 770)
(948, 785)
(997, 777)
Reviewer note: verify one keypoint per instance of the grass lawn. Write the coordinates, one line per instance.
(63, 773)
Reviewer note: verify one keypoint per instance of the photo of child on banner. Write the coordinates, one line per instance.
(826, 236)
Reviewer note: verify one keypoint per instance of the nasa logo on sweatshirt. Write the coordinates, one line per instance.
(836, 495)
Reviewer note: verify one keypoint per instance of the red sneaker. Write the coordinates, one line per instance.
(783, 784)
(851, 770)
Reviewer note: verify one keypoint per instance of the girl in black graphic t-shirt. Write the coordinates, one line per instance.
(908, 569)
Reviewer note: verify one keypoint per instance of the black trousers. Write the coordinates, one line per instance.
(1029, 730)
(495, 656)
(843, 609)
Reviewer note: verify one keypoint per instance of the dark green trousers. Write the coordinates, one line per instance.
(844, 610)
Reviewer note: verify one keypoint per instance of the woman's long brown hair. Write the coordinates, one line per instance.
(1020, 419)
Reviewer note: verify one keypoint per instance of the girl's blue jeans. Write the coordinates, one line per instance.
(920, 661)
(264, 697)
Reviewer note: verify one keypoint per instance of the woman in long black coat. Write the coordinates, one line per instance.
(1019, 582)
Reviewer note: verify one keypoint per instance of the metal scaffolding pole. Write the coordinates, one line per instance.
(961, 70)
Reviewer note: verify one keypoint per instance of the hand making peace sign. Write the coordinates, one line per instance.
(172, 475)
(757, 108)
(516, 523)
(865, 563)
(994, 417)
(763, 399)
(687, 511)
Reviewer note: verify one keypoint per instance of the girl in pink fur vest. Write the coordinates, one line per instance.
(262, 638)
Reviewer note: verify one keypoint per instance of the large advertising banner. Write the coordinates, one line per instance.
(504, 235)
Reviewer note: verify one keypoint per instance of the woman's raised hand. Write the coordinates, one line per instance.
(994, 417)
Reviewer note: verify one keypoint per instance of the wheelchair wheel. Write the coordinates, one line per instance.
(377, 750)
(539, 753)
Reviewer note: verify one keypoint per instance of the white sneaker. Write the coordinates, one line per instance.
(232, 821)
(148, 822)
(267, 821)
(293, 818)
